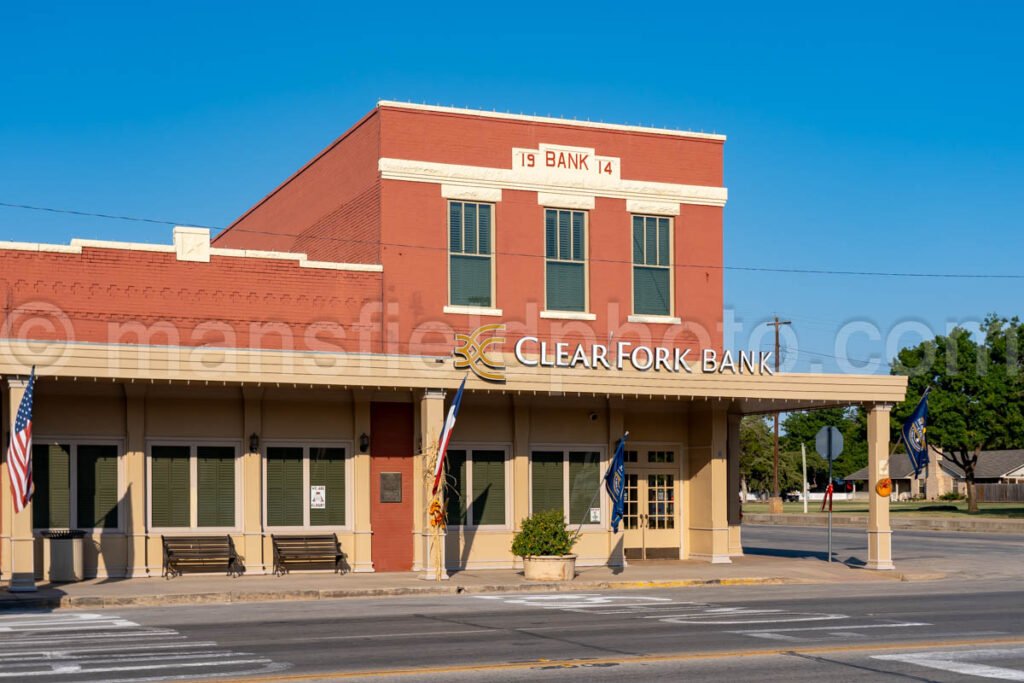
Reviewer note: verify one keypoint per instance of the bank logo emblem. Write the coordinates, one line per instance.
(471, 352)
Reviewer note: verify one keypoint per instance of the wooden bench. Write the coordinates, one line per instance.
(199, 553)
(306, 552)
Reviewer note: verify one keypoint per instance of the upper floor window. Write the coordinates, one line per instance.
(565, 266)
(652, 272)
(470, 260)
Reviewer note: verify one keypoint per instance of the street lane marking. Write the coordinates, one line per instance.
(830, 628)
(638, 659)
(416, 634)
(955, 662)
(60, 645)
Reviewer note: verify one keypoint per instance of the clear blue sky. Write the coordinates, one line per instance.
(883, 137)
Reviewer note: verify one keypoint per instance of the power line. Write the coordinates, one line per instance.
(91, 214)
(404, 245)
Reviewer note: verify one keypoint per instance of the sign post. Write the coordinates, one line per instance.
(803, 459)
(829, 444)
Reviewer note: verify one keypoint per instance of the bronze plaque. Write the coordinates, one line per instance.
(391, 487)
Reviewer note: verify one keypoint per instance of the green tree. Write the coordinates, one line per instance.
(802, 427)
(977, 392)
(757, 455)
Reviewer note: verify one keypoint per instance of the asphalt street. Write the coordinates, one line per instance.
(947, 630)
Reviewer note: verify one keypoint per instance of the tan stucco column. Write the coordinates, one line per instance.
(431, 423)
(733, 439)
(136, 564)
(707, 505)
(19, 550)
(253, 544)
(616, 428)
(879, 532)
(362, 554)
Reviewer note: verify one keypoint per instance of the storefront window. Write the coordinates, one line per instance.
(180, 472)
(293, 503)
(565, 269)
(560, 476)
(469, 246)
(476, 487)
(651, 265)
(88, 470)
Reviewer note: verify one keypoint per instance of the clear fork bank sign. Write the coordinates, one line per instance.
(531, 352)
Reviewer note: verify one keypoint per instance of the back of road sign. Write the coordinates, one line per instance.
(829, 443)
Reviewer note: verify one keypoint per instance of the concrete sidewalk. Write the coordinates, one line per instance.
(207, 588)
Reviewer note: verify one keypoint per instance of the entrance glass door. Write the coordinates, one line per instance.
(650, 518)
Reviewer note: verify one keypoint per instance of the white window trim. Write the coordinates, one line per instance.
(459, 308)
(646, 318)
(602, 499)
(653, 319)
(472, 310)
(73, 442)
(569, 315)
(193, 472)
(506, 448)
(306, 445)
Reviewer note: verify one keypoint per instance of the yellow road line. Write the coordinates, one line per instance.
(638, 659)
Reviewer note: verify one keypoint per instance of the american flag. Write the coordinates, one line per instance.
(19, 455)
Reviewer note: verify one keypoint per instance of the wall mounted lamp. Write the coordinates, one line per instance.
(364, 442)
(254, 443)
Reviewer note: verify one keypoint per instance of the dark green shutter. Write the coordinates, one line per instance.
(455, 463)
(584, 479)
(51, 475)
(546, 481)
(564, 235)
(638, 240)
(651, 294)
(566, 288)
(484, 220)
(97, 487)
(455, 227)
(651, 243)
(284, 486)
(327, 469)
(469, 229)
(215, 488)
(551, 234)
(488, 487)
(577, 236)
(172, 495)
(663, 242)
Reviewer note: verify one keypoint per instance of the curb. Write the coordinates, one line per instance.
(99, 602)
(991, 526)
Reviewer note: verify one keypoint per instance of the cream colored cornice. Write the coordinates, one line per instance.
(86, 362)
(583, 185)
(551, 119)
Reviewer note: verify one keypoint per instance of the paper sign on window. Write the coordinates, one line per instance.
(595, 515)
(317, 497)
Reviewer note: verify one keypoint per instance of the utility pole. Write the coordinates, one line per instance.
(775, 504)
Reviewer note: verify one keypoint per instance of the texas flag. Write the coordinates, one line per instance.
(446, 435)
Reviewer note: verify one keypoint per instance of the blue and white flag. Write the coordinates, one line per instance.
(615, 482)
(914, 435)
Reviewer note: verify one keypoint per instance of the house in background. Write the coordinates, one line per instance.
(994, 468)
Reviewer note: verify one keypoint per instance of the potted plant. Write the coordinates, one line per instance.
(545, 544)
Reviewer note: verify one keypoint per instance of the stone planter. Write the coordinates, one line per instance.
(550, 567)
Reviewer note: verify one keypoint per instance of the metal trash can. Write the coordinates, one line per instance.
(62, 555)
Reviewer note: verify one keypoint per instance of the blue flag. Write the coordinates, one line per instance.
(615, 482)
(914, 436)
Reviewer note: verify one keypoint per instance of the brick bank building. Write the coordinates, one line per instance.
(288, 376)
